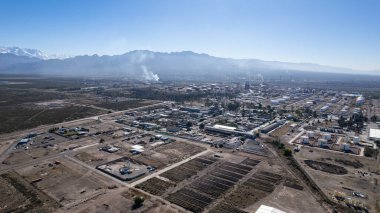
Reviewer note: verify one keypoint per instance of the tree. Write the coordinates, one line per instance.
(287, 152)
(189, 124)
(315, 114)
(138, 201)
(101, 140)
(342, 122)
(257, 134)
(233, 106)
(201, 126)
(374, 118)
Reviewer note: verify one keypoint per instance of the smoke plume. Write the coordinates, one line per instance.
(149, 75)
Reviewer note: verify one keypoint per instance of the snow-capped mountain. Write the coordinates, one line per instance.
(32, 53)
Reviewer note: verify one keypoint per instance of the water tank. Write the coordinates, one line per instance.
(322, 142)
(327, 136)
(304, 139)
(356, 139)
(310, 134)
(345, 147)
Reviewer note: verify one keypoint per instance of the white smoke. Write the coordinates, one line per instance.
(260, 77)
(149, 75)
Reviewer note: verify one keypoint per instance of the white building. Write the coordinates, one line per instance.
(268, 209)
(374, 134)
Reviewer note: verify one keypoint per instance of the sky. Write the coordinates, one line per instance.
(343, 33)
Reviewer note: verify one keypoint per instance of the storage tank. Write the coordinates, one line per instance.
(310, 134)
(327, 136)
(345, 147)
(304, 139)
(360, 100)
(356, 140)
(322, 142)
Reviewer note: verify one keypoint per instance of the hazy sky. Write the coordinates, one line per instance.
(330, 32)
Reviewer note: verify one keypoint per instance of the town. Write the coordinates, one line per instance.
(199, 147)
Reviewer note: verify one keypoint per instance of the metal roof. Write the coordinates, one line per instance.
(268, 209)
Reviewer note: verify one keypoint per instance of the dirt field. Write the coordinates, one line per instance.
(281, 131)
(167, 154)
(76, 184)
(362, 178)
(17, 195)
(22, 156)
(121, 201)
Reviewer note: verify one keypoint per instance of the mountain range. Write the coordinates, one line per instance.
(149, 65)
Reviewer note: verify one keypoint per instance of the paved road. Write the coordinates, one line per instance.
(296, 137)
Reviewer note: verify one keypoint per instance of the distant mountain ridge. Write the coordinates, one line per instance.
(149, 65)
(32, 53)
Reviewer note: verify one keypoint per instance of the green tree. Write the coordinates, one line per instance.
(287, 152)
(342, 122)
(189, 124)
(138, 201)
(374, 118)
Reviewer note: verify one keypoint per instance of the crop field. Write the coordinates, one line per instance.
(199, 194)
(226, 208)
(260, 185)
(187, 169)
(155, 186)
(250, 162)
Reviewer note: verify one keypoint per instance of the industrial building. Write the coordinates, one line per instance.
(374, 134)
(272, 126)
(227, 130)
(360, 101)
(268, 209)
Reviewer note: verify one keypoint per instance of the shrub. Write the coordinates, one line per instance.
(287, 152)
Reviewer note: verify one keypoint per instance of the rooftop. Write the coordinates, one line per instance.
(268, 209)
(374, 133)
(224, 127)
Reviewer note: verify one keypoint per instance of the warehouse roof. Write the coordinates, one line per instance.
(374, 134)
(268, 209)
(224, 127)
